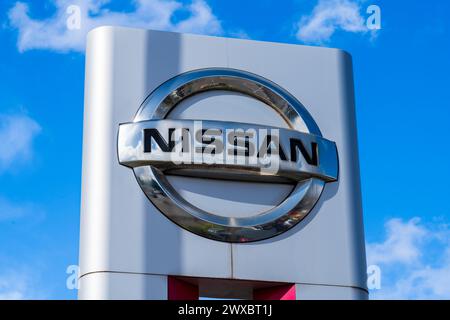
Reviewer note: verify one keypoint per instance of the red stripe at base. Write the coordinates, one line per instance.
(181, 290)
(282, 292)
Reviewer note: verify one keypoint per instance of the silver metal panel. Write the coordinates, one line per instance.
(328, 246)
(122, 286)
(122, 231)
(321, 292)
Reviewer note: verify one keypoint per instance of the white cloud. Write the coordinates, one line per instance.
(20, 284)
(53, 34)
(329, 16)
(10, 211)
(17, 133)
(202, 20)
(12, 287)
(424, 283)
(401, 245)
(414, 259)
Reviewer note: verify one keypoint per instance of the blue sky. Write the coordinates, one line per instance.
(402, 82)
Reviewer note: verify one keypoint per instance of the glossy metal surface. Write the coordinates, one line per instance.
(149, 169)
(161, 101)
(131, 153)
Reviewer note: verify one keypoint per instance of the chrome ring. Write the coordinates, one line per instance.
(243, 229)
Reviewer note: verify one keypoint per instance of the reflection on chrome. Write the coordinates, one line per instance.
(154, 146)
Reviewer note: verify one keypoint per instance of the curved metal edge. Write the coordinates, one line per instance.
(237, 230)
(154, 107)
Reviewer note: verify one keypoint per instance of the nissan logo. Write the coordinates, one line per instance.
(154, 146)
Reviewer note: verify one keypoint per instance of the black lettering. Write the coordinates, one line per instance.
(153, 133)
(279, 149)
(207, 139)
(312, 159)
